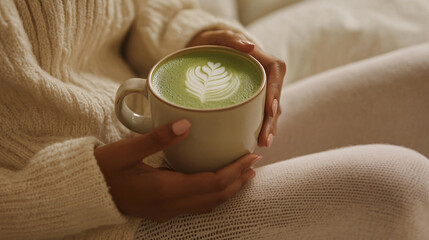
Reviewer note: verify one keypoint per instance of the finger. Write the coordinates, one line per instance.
(272, 109)
(233, 171)
(224, 38)
(264, 58)
(266, 136)
(131, 151)
(222, 179)
(276, 70)
(206, 202)
(178, 185)
(276, 74)
(159, 139)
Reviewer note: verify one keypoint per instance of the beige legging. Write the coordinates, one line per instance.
(384, 99)
(374, 191)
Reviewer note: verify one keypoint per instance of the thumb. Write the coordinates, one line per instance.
(160, 138)
(128, 152)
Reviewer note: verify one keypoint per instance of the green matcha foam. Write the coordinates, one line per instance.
(207, 79)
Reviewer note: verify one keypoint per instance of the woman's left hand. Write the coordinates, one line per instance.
(274, 67)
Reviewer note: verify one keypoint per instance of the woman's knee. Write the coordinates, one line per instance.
(369, 183)
(376, 174)
(381, 167)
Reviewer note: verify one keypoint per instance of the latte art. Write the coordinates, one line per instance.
(211, 82)
(212, 78)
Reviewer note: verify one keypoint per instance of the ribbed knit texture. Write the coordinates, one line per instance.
(60, 66)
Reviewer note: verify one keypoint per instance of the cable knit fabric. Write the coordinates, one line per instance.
(60, 66)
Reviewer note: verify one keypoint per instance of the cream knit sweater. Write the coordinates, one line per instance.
(60, 66)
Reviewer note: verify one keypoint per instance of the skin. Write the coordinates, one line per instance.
(160, 194)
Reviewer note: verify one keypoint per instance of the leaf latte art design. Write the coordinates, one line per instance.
(211, 82)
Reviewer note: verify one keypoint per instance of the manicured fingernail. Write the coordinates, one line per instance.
(275, 107)
(247, 42)
(270, 140)
(180, 127)
(257, 159)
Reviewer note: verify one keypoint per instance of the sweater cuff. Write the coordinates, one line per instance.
(191, 22)
(77, 182)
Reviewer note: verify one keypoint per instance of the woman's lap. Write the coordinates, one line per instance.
(360, 192)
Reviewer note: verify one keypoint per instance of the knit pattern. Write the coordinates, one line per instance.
(60, 66)
(360, 192)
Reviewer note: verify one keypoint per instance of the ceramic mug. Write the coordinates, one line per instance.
(217, 136)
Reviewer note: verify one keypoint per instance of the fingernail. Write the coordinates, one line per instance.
(180, 127)
(275, 107)
(257, 159)
(247, 42)
(270, 140)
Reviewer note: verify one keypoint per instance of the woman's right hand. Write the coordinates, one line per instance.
(160, 194)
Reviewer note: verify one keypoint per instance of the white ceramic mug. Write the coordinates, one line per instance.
(217, 137)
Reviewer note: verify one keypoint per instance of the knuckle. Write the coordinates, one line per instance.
(274, 86)
(243, 164)
(281, 64)
(241, 35)
(229, 33)
(238, 36)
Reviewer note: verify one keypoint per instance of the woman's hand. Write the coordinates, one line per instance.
(158, 193)
(274, 67)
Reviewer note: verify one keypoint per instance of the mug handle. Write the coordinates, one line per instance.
(126, 116)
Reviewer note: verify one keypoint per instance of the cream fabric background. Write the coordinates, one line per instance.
(357, 74)
(314, 36)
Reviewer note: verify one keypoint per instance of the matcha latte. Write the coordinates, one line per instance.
(219, 90)
(206, 79)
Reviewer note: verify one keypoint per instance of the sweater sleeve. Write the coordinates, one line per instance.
(50, 182)
(164, 26)
(61, 191)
